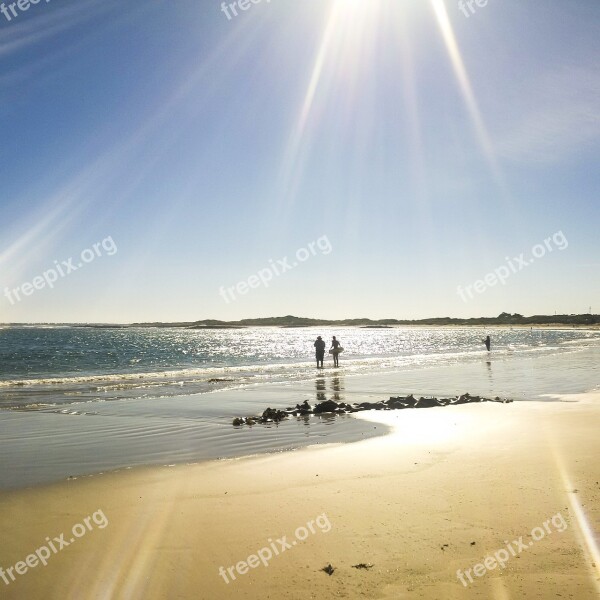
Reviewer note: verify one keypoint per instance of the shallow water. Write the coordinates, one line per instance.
(61, 365)
(78, 428)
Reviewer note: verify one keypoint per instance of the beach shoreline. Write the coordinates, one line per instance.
(163, 497)
(82, 438)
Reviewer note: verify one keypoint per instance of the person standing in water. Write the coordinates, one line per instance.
(319, 351)
(488, 343)
(336, 355)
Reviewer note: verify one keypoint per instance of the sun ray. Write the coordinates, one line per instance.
(584, 530)
(290, 169)
(346, 32)
(466, 89)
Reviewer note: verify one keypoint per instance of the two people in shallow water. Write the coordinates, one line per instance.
(320, 351)
(335, 344)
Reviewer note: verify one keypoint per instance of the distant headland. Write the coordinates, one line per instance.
(581, 320)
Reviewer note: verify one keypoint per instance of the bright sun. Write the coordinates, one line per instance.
(352, 12)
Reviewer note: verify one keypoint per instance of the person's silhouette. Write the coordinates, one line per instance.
(487, 342)
(319, 351)
(336, 355)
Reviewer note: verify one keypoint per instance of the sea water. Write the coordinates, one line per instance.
(42, 366)
(75, 401)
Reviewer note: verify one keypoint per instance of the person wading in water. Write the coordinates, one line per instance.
(487, 342)
(336, 354)
(319, 351)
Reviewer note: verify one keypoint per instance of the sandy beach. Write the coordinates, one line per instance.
(446, 489)
(299, 300)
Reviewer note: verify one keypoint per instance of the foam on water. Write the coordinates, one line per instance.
(58, 365)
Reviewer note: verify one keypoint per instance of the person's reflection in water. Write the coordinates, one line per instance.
(320, 387)
(337, 387)
(488, 364)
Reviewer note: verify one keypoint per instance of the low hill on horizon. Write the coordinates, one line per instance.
(292, 321)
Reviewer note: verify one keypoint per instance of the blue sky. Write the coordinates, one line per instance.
(427, 147)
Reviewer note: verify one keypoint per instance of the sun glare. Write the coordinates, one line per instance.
(354, 17)
(355, 9)
(349, 32)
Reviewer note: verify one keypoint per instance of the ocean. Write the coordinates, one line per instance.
(75, 401)
(44, 366)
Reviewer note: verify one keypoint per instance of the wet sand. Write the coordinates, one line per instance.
(446, 489)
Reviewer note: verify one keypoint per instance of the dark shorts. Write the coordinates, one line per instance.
(321, 355)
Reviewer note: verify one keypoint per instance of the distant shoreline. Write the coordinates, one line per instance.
(504, 320)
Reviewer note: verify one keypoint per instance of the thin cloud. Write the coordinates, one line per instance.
(558, 115)
(17, 36)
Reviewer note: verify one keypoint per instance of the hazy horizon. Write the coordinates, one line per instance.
(163, 321)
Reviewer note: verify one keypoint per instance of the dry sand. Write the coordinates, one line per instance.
(441, 493)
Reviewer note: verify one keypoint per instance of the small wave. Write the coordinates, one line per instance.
(133, 380)
(589, 340)
(83, 379)
(208, 378)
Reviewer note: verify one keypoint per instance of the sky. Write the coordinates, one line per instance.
(176, 161)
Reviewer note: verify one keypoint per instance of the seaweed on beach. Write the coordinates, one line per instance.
(273, 415)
